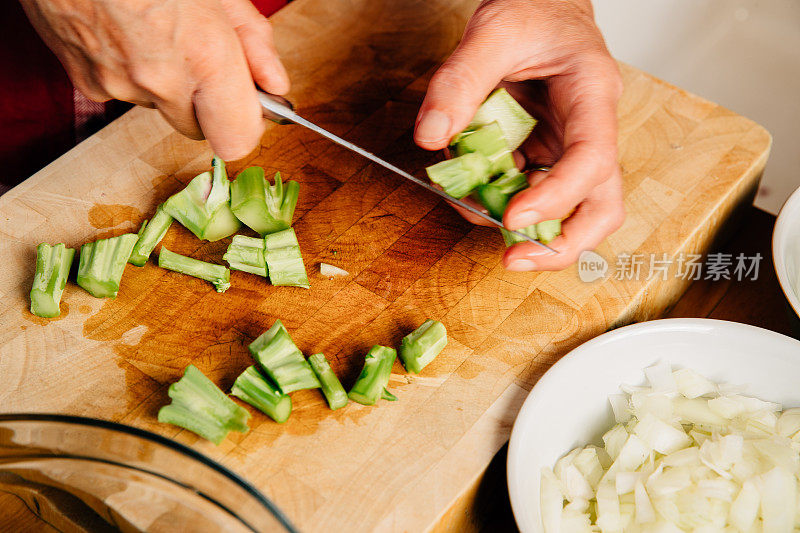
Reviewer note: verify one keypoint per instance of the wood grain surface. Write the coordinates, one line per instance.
(360, 69)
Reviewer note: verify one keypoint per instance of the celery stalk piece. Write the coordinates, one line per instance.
(261, 206)
(460, 175)
(422, 345)
(199, 406)
(150, 234)
(488, 141)
(256, 390)
(102, 264)
(247, 254)
(218, 275)
(282, 361)
(284, 260)
(203, 207)
(331, 386)
(374, 377)
(548, 230)
(52, 269)
(514, 121)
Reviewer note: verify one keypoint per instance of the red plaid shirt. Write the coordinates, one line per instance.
(41, 115)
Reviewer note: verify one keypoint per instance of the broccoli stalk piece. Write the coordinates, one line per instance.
(371, 383)
(421, 346)
(460, 175)
(331, 386)
(203, 207)
(150, 234)
(261, 206)
(218, 275)
(52, 269)
(284, 261)
(282, 361)
(247, 254)
(256, 390)
(488, 141)
(102, 264)
(199, 406)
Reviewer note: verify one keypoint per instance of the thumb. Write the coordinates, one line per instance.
(460, 85)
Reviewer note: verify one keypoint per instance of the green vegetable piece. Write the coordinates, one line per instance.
(102, 264)
(515, 123)
(203, 206)
(512, 238)
(52, 269)
(199, 406)
(284, 260)
(331, 386)
(496, 195)
(218, 275)
(460, 175)
(150, 234)
(282, 361)
(548, 230)
(386, 395)
(422, 345)
(247, 254)
(264, 207)
(488, 141)
(256, 390)
(374, 377)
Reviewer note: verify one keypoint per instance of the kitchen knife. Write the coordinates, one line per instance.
(280, 110)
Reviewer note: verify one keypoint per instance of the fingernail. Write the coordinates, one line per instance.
(523, 219)
(521, 265)
(434, 126)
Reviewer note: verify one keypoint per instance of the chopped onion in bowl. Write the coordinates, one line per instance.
(686, 454)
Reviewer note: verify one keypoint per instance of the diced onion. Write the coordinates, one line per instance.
(331, 271)
(686, 454)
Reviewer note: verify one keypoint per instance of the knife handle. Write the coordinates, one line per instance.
(272, 111)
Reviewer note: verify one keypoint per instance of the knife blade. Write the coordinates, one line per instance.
(281, 111)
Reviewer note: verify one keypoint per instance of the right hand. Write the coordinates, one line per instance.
(194, 60)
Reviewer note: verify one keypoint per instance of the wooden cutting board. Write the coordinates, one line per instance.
(360, 68)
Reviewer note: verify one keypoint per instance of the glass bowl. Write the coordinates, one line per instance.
(69, 473)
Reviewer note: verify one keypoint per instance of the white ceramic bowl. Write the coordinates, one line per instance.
(786, 249)
(569, 405)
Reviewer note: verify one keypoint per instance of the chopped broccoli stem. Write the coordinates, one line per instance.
(102, 264)
(247, 254)
(488, 141)
(282, 361)
(422, 345)
(256, 390)
(460, 175)
(374, 377)
(548, 230)
(514, 121)
(218, 275)
(331, 386)
(203, 206)
(52, 269)
(261, 206)
(150, 234)
(199, 406)
(512, 238)
(284, 260)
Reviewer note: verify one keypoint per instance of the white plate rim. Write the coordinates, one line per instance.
(789, 213)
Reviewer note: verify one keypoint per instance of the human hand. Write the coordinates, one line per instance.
(193, 60)
(551, 57)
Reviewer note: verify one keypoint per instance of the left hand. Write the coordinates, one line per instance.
(551, 57)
